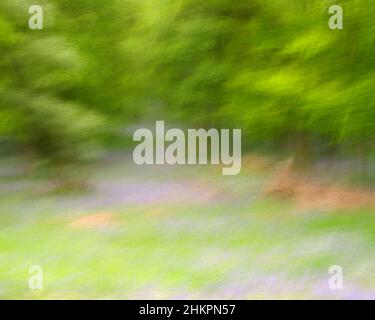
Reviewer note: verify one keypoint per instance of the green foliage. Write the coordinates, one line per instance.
(273, 69)
(60, 85)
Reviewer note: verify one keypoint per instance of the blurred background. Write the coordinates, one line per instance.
(73, 201)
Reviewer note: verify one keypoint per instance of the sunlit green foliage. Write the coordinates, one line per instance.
(272, 68)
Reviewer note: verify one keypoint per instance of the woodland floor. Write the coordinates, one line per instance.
(184, 232)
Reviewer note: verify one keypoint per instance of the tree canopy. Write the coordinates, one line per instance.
(272, 68)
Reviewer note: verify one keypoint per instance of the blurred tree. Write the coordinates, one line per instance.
(272, 68)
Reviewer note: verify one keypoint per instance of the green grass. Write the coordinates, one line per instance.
(244, 248)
